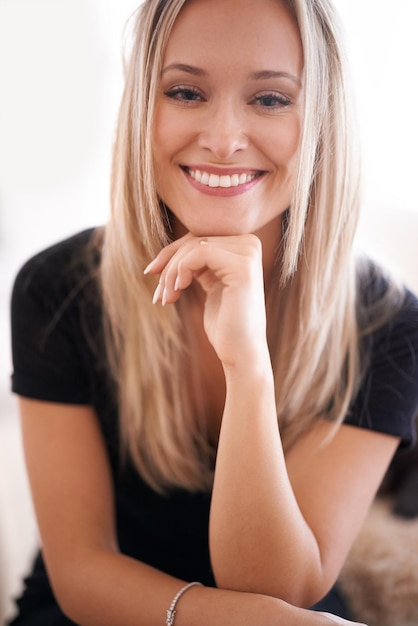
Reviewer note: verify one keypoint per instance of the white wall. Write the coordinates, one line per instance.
(383, 51)
(60, 82)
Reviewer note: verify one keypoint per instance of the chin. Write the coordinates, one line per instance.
(218, 232)
(219, 228)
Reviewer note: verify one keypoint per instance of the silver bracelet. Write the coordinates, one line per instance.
(171, 613)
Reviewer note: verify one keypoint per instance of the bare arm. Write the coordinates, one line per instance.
(285, 527)
(94, 583)
(279, 527)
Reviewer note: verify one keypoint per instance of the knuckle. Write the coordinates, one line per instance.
(255, 241)
(254, 244)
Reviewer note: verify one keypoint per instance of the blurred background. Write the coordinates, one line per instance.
(60, 84)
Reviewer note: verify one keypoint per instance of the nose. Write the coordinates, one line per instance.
(223, 131)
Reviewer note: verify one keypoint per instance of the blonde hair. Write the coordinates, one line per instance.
(314, 348)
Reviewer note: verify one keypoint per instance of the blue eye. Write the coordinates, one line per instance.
(184, 94)
(271, 101)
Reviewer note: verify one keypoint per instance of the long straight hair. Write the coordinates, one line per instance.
(314, 347)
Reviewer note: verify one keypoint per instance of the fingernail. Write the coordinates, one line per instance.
(164, 298)
(149, 267)
(176, 284)
(157, 294)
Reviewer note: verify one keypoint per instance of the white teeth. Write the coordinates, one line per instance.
(214, 180)
(225, 181)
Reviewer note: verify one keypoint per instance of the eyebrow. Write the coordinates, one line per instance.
(266, 74)
(183, 67)
(260, 75)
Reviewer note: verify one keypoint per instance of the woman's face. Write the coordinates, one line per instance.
(228, 116)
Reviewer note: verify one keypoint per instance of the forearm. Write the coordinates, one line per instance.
(259, 540)
(106, 588)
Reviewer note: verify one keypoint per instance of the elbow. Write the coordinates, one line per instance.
(307, 587)
(74, 583)
(66, 589)
(311, 594)
(312, 588)
(301, 588)
(64, 594)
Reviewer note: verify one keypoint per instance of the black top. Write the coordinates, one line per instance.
(58, 356)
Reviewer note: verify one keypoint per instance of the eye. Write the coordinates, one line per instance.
(184, 94)
(271, 101)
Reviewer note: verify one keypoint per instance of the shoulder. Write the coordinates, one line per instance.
(384, 306)
(56, 278)
(55, 313)
(62, 261)
(402, 327)
(387, 312)
(388, 322)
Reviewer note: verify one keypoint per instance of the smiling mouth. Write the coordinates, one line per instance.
(224, 181)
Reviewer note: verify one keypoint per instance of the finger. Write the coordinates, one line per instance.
(163, 257)
(190, 262)
(167, 289)
(240, 242)
(191, 257)
(209, 265)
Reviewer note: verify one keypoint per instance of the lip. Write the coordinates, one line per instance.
(254, 177)
(228, 171)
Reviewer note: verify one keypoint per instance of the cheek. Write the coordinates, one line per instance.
(170, 133)
(284, 146)
(284, 143)
(167, 142)
(158, 133)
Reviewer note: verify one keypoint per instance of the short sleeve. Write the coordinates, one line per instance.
(47, 344)
(388, 398)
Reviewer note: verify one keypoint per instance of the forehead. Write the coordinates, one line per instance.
(236, 32)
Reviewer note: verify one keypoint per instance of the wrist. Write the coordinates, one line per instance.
(221, 607)
(250, 367)
(172, 610)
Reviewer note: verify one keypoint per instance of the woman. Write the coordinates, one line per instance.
(223, 417)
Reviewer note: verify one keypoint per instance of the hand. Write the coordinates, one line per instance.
(334, 619)
(229, 271)
(317, 618)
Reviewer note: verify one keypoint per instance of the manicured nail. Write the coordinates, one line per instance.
(176, 284)
(157, 294)
(164, 298)
(149, 267)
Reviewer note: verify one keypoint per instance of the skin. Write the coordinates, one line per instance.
(280, 528)
(230, 118)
